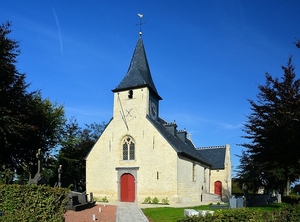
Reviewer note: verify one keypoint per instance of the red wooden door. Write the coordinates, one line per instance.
(127, 188)
(218, 187)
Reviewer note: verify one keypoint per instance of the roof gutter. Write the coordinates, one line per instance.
(184, 154)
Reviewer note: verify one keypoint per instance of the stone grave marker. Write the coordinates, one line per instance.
(239, 202)
(38, 177)
(232, 202)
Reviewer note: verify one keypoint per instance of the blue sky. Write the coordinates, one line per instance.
(206, 57)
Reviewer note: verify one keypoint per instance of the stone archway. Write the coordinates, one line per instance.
(127, 183)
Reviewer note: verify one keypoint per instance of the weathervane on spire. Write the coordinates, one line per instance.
(141, 23)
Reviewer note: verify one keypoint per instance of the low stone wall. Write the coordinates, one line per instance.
(209, 197)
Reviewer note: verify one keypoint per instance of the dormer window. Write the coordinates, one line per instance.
(130, 94)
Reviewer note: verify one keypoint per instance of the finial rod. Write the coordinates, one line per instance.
(141, 23)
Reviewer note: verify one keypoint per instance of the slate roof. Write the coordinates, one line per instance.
(138, 74)
(215, 155)
(186, 148)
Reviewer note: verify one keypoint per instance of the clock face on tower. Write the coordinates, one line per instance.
(153, 110)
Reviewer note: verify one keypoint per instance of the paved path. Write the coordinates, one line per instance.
(130, 212)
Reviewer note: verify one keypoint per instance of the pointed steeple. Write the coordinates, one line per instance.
(138, 74)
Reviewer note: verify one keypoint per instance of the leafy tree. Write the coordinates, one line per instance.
(248, 172)
(12, 94)
(6, 176)
(236, 189)
(296, 189)
(76, 144)
(297, 43)
(27, 122)
(272, 157)
(46, 121)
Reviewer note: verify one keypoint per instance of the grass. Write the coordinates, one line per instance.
(170, 214)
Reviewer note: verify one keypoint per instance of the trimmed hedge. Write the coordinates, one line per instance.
(32, 203)
(291, 199)
(289, 213)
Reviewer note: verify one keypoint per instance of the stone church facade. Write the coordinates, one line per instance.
(139, 154)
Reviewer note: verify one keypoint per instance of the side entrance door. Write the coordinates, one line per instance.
(127, 188)
(218, 187)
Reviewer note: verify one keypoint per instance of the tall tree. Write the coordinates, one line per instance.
(12, 92)
(297, 43)
(45, 126)
(27, 122)
(272, 157)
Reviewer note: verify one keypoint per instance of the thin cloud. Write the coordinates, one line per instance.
(59, 33)
(88, 111)
(194, 121)
(231, 126)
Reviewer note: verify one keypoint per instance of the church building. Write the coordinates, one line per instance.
(141, 155)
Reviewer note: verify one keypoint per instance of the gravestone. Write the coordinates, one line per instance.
(38, 177)
(236, 202)
(190, 212)
(78, 201)
(246, 194)
(278, 197)
(259, 200)
(58, 183)
(239, 202)
(232, 202)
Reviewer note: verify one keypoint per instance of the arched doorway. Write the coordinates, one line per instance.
(127, 188)
(218, 188)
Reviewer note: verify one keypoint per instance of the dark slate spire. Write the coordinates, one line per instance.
(138, 74)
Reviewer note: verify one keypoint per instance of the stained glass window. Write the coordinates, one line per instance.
(125, 151)
(128, 149)
(131, 151)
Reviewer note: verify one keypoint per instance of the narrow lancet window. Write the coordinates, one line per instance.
(194, 172)
(131, 152)
(125, 151)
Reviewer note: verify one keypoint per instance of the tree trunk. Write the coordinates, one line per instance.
(288, 183)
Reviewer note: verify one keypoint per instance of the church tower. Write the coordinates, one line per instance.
(136, 95)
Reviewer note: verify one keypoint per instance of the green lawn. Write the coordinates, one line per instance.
(170, 214)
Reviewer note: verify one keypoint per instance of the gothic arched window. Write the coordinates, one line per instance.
(128, 149)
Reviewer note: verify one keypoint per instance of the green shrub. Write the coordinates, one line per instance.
(165, 201)
(291, 199)
(104, 199)
(155, 200)
(147, 200)
(32, 203)
(289, 213)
